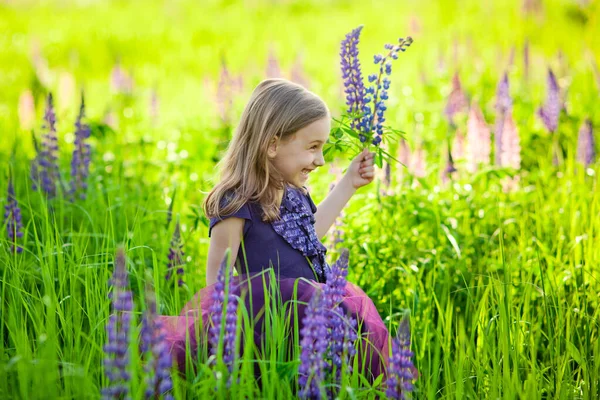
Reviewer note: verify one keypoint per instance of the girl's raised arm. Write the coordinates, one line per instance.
(225, 234)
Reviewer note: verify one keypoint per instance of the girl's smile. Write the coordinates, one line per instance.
(296, 157)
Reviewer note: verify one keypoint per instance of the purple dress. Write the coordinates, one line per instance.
(290, 245)
(292, 249)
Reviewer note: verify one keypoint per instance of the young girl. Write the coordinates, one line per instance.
(262, 211)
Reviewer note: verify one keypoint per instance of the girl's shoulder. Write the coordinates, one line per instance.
(248, 211)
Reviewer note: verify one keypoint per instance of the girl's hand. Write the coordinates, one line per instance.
(361, 171)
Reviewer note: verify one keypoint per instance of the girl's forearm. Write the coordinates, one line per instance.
(330, 208)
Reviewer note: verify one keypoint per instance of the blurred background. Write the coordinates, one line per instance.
(495, 262)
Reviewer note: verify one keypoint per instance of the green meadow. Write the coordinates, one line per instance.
(499, 268)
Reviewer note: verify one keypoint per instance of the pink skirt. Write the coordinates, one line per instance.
(187, 330)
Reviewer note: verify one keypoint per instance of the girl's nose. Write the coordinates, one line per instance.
(319, 160)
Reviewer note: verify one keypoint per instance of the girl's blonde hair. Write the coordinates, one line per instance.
(277, 109)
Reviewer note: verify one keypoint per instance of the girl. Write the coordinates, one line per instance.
(262, 211)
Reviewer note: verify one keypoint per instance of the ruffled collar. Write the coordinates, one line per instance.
(296, 224)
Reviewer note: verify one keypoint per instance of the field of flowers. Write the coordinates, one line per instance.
(483, 225)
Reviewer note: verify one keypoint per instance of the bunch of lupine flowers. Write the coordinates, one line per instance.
(80, 163)
(224, 301)
(328, 336)
(118, 330)
(401, 372)
(12, 218)
(367, 119)
(158, 359)
(176, 256)
(45, 170)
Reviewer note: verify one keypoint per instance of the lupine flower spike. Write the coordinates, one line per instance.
(511, 144)
(273, 69)
(12, 218)
(157, 356)
(586, 144)
(478, 148)
(224, 94)
(401, 372)
(341, 328)
(380, 83)
(116, 361)
(503, 106)
(223, 297)
(550, 112)
(457, 101)
(314, 346)
(176, 256)
(352, 75)
(47, 164)
(80, 163)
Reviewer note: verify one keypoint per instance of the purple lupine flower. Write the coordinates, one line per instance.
(223, 297)
(314, 345)
(339, 326)
(118, 331)
(511, 144)
(550, 112)
(47, 159)
(503, 105)
(157, 356)
(457, 100)
(175, 256)
(224, 94)
(298, 75)
(352, 74)
(478, 148)
(373, 119)
(12, 218)
(80, 163)
(273, 69)
(120, 81)
(586, 144)
(401, 372)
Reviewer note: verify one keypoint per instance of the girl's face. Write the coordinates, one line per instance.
(297, 156)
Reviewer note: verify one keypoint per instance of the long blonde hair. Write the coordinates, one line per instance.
(277, 109)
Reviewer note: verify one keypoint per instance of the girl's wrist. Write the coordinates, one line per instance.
(346, 185)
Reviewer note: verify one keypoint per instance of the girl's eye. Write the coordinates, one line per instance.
(314, 148)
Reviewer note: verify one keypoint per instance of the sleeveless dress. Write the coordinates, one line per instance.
(292, 249)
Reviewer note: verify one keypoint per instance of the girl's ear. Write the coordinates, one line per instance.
(273, 144)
